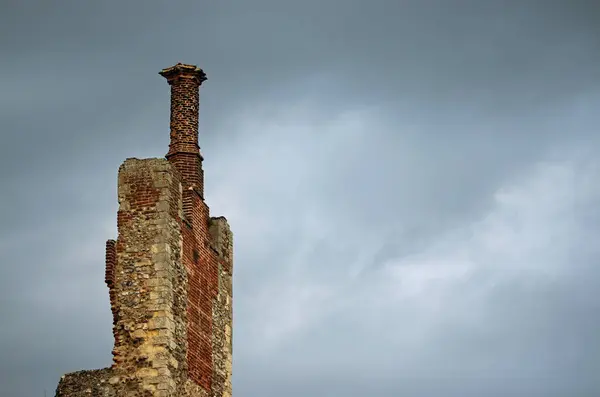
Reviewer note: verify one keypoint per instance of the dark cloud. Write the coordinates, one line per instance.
(412, 186)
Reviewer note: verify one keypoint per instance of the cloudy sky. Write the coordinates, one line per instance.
(414, 187)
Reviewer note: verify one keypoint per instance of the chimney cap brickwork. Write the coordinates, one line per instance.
(183, 71)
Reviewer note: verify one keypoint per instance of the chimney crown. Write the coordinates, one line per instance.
(183, 71)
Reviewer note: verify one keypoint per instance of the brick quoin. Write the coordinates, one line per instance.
(198, 258)
(109, 279)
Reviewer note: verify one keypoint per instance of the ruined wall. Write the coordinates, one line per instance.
(169, 273)
(91, 383)
(148, 289)
(150, 281)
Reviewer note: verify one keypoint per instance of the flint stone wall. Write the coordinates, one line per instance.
(104, 383)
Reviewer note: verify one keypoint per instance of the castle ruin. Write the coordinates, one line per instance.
(169, 272)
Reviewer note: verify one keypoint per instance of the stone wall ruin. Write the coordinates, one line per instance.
(169, 272)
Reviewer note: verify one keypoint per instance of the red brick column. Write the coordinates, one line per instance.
(109, 279)
(198, 258)
(184, 152)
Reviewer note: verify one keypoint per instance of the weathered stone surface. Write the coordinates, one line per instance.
(93, 383)
(222, 243)
(169, 273)
(150, 320)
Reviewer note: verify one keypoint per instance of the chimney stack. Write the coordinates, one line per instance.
(184, 151)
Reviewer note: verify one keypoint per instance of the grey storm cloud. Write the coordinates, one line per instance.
(413, 187)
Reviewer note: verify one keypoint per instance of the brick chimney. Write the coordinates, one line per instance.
(184, 151)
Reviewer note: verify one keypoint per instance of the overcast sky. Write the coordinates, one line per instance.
(413, 186)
